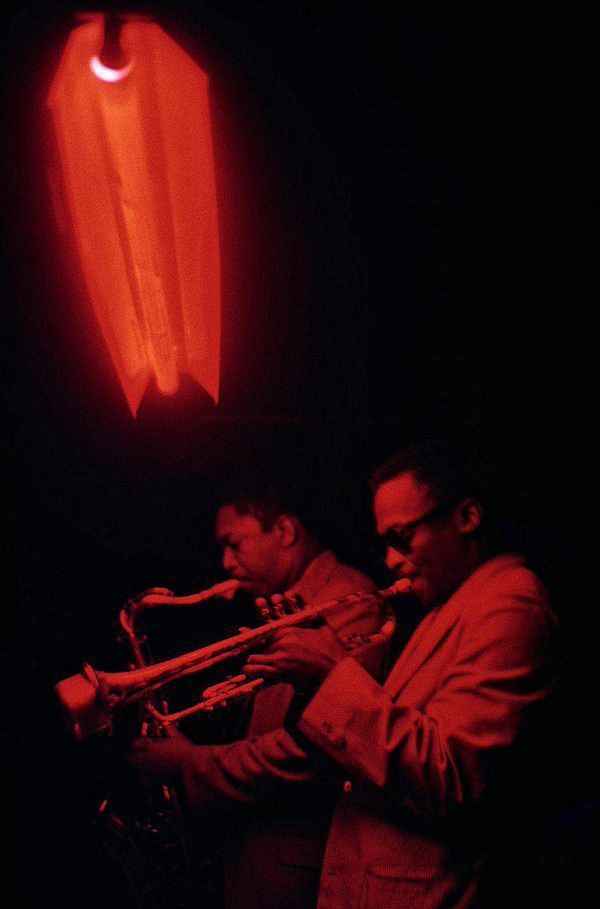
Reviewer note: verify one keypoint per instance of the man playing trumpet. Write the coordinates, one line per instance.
(443, 758)
(280, 804)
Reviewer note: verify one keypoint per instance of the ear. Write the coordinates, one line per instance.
(469, 516)
(286, 530)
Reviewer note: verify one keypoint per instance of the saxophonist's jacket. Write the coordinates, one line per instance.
(279, 799)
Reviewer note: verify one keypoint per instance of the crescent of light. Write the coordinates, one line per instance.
(106, 73)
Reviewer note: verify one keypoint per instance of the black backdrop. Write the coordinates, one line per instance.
(403, 201)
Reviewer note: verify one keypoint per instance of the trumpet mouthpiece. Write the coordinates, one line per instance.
(401, 587)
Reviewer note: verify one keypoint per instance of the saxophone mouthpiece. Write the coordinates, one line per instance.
(226, 590)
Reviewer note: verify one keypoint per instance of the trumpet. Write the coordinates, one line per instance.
(90, 698)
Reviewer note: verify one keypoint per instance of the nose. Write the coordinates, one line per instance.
(394, 559)
(228, 560)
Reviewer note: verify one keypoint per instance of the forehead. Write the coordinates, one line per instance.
(230, 523)
(400, 500)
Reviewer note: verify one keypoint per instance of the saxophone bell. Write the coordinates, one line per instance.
(85, 707)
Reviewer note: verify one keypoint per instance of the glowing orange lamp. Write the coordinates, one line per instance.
(135, 147)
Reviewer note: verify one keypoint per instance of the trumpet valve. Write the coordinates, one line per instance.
(263, 609)
(278, 606)
(293, 603)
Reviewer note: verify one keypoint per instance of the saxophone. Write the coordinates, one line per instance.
(142, 829)
(139, 835)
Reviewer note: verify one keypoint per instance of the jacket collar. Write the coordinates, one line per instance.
(316, 576)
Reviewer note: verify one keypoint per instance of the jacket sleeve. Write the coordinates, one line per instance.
(444, 754)
(248, 771)
(271, 763)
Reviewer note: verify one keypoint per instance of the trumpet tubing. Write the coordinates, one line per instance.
(90, 698)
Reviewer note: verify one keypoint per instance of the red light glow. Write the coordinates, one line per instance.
(136, 156)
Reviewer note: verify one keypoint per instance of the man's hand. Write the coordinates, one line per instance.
(160, 757)
(297, 655)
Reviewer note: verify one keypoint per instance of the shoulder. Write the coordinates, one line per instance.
(505, 580)
(344, 580)
(362, 615)
(508, 602)
(326, 578)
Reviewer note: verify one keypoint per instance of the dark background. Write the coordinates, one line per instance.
(404, 202)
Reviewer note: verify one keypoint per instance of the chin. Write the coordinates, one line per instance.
(423, 593)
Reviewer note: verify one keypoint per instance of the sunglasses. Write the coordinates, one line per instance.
(401, 540)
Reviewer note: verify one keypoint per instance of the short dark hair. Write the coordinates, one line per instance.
(263, 506)
(436, 464)
(266, 493)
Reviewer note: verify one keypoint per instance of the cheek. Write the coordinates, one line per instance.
(254, 557)
(436, 558)
(428, 557)
(418, 557)
(246, 557)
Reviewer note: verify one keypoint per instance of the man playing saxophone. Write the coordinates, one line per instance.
(279, 799)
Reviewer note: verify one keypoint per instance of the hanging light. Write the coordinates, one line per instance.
(131, 117)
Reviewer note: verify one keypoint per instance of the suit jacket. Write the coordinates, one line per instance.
(432, 754)
(280, 803)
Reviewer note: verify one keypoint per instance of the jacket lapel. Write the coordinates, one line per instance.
(428, 637)
(437, 624)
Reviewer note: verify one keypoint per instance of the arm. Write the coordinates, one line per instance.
(274, 763)
(446, 753)
(249, 771)
(265, 766)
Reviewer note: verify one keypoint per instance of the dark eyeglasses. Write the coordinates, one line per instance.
(401, 540)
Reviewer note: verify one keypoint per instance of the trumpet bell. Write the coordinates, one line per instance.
(83, 707)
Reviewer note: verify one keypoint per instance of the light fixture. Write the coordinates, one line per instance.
(135, 146)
